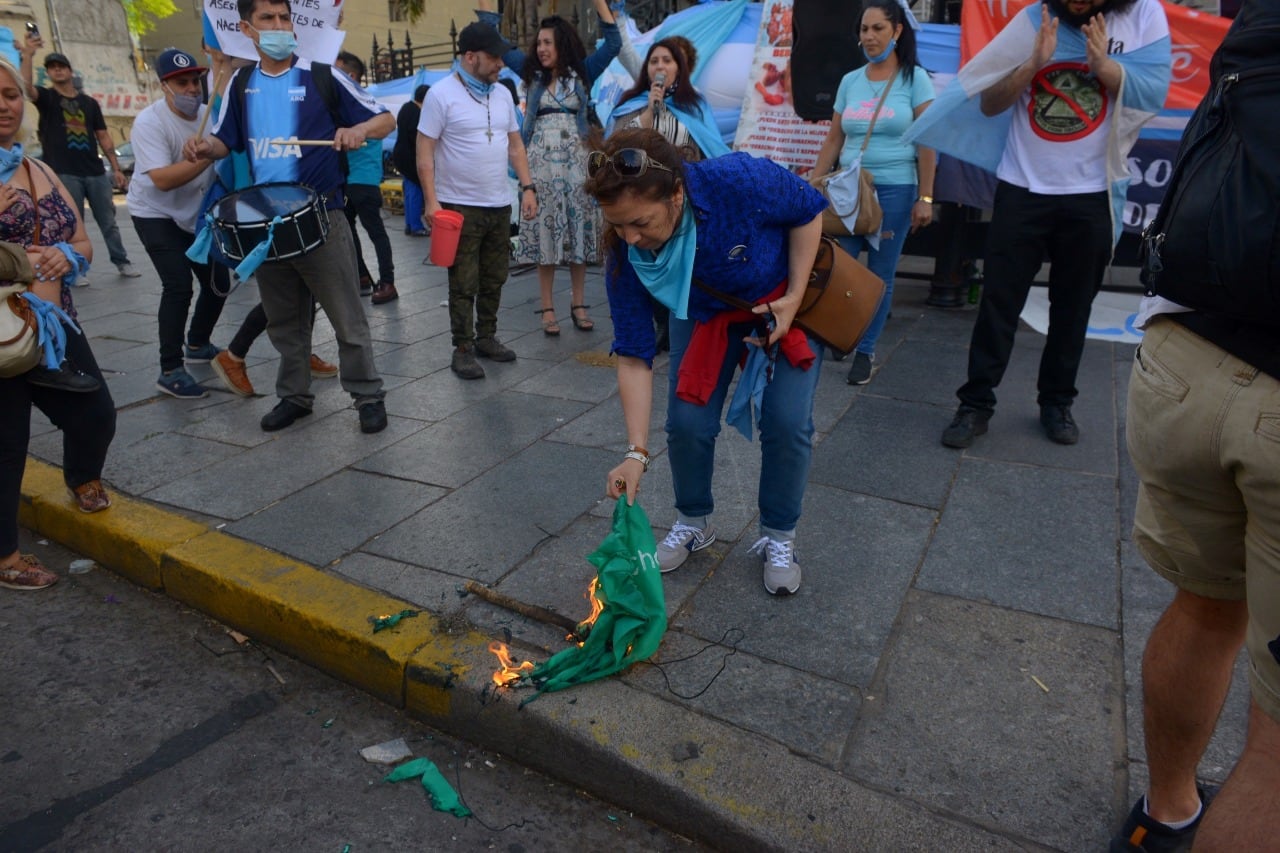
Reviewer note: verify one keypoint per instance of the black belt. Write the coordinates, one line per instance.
(551, 111)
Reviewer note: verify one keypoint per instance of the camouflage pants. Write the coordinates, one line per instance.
(478, 273)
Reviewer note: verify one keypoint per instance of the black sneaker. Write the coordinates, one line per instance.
(65, 378)
(284, 414)
(860, 370)
(493, 349)
(1058, 424)
(373, 416)
(965, 426)
(1142, 833)
(465, 364)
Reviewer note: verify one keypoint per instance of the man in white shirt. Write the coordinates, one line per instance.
(1067, 85)
(467, 135)
(165, 199)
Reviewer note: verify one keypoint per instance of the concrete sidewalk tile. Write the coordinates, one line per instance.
(960, 724)
(139, 466)
(573, 380)
(1037, 539)
(809, 714)
(865, 453)
(308, 613)
(858, 555)
(326, 520)
(923, 371)
(704, 778)
(130, 536)
(269, 472)
(602, 426)
(490, 430)
(488, 526)
(440, 394)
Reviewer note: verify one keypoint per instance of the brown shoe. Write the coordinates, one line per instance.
(232, 374)
(384, 291)
(27, 574)
(322, 369)
(91, 496)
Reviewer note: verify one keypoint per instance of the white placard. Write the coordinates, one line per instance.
(315, 24)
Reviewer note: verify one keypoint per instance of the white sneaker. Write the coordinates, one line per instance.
(127, 271)
(781, 570)
(81, 281)
(682, 541)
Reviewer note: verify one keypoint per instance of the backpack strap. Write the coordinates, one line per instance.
(322, 76)
(240, 83)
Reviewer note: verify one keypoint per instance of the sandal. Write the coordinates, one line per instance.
(582, 324)
(550, 328)
(91, 496)
(27, 574)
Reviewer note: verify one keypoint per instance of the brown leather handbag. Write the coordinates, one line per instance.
(841, 298)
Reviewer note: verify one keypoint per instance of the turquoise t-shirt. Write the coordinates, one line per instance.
(888, 158)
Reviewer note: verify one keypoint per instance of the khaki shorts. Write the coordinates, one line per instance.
(1204, 436)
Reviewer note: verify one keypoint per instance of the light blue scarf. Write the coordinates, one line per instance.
(668, 273)
(10, 160)
(478, 88)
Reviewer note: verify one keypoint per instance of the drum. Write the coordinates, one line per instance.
(242, 220)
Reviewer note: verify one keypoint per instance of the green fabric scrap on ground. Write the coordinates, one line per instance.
(443, 797)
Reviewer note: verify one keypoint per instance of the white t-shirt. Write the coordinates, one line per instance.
(158, 135)
(472, 144)
(1058, 138)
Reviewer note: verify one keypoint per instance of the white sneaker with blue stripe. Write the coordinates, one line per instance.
(682, 541)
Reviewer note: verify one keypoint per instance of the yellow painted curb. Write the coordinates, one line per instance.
(130, 537)
(294, 607)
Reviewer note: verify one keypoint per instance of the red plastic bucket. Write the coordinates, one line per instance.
(446, 228)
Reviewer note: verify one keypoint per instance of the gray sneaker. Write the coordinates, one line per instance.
(861, 369)
(127, 271)
(682, 541)
(492, 348)
(465, 364)
(781, 570)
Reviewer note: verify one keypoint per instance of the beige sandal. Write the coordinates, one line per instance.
(551, 327)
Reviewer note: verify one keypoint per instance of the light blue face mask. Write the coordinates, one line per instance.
(277, 44)
(876, 60)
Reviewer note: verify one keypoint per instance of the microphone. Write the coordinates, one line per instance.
(661, 80)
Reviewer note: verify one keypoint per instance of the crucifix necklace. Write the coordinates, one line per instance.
(488, 118)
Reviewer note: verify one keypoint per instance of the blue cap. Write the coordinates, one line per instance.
(174, 61)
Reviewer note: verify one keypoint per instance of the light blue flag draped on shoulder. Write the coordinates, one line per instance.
(954, 123)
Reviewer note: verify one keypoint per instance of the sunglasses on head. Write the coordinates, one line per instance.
(627, 162)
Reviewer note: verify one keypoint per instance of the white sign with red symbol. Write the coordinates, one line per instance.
(315, 25)
(769, 126)
(1067, 102)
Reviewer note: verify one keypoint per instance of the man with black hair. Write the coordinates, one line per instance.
(1053, 106)
(71, 129)
(364, 201)
(280, 100)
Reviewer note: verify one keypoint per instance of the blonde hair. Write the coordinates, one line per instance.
(24, 128)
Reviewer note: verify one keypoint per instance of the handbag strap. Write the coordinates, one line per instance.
(883, 95)
(35, 199)
(735, 301)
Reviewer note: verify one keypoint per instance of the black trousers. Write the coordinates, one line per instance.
(1074, 233)
(87, 421)
(364, 202)
(166, 245)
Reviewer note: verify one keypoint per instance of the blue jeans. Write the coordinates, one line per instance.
(896, 200)
(413, 204)
(97, 188)
(786, 434)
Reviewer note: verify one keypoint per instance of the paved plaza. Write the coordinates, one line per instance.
(959, 670)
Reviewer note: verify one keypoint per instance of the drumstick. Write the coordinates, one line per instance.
(282, 141)
(217, 87)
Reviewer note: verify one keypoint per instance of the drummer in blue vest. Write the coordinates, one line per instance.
(282, 102)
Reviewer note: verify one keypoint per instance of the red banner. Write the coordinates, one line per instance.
(1194, 37)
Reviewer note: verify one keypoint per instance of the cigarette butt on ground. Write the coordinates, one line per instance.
(1040, 684)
